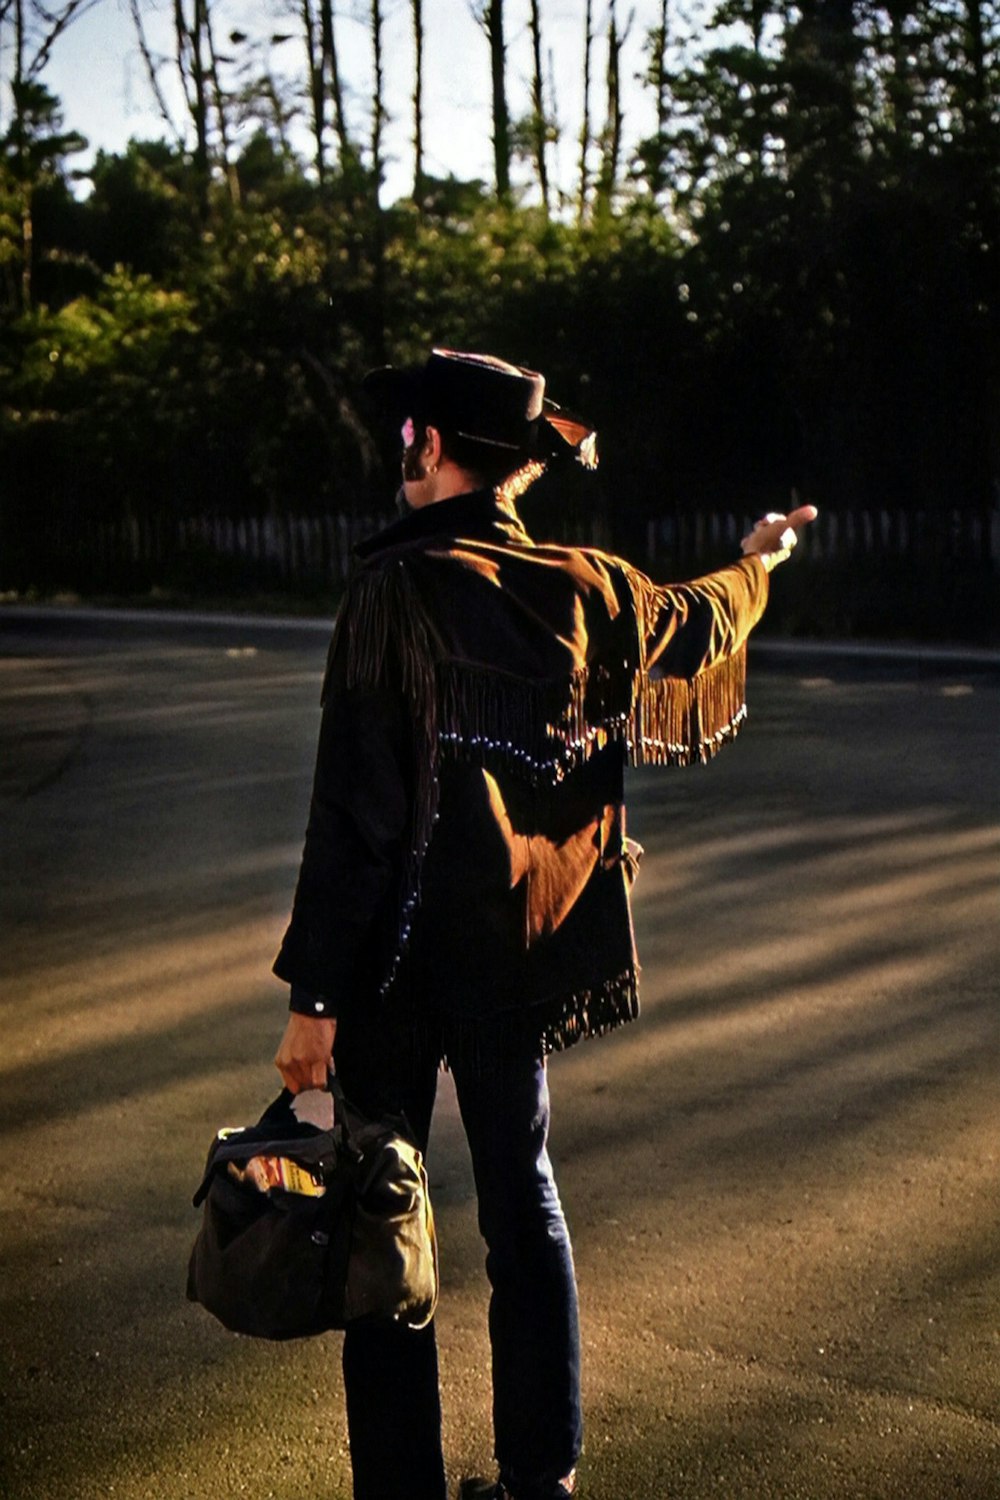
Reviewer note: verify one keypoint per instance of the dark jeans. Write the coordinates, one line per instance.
(390, 1373)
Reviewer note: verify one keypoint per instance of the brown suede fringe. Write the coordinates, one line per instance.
(540, 730)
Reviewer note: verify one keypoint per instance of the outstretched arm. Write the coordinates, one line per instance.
(690, 627)
(692, 648)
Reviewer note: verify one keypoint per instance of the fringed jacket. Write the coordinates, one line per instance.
(466, 850)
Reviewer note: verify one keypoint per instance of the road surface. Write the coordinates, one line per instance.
(781, 1181)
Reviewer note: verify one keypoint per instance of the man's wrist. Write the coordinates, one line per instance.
(772, 559)
(306, 1003)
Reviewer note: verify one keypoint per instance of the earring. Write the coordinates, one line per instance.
(432, 468)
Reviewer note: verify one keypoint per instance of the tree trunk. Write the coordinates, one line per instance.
(315, 61)
(900, 88)
(976, 51)
(378, 97)
(583, 194)
(36, 29)
(190, 41)
(377, 167)
(348, 156)
(418, 102)
(539, 122)
(658, 78)
(608, 179)
(17, 78)
(228, 165)
(758, 15)
(493, 22)
(18, 135)
(660, 71)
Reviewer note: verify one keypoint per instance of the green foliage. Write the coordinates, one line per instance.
(141, 210)
(35, 144)
(32, 153)
(797, 290)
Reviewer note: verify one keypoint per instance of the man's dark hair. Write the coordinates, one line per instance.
(490, 464)
(507, 470)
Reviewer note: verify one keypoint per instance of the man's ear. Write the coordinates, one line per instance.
(433, 450)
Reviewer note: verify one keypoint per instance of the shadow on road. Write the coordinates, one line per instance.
(781, 1182)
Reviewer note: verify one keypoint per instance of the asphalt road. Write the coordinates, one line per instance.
(782, 1182)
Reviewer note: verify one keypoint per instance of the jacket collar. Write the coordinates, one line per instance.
(477, 516)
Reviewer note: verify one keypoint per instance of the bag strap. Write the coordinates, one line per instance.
(336, 1088)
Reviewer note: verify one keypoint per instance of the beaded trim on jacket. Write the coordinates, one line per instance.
(539, 729)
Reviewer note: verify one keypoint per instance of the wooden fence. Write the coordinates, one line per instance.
(959, 534)
(296, 551)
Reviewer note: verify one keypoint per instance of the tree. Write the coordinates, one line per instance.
(539, 122)
(32, 154)
(331, 70)
(379, 115)
(140, 214)
(34, 29)
(210, 105)
(583, 191)
(152, 67)
(611, 139)
(34, 144)
(316, 83)
(490, 15)
(418, 101)
(324, 85)
(377, 175)
(652, 153)
(221, 113)
(823, 129)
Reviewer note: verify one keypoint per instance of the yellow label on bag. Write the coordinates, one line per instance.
(267, 1172)
(296, 1179)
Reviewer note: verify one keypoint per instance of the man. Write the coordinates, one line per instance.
(463, 893)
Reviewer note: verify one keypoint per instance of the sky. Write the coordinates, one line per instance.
(98, 73)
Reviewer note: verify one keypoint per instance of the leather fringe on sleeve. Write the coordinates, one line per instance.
(675, 722)
(681, 721)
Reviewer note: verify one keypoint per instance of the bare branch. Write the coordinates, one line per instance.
(57, 24)
(152, 73)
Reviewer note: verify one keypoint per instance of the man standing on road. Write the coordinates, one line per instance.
(464, 888)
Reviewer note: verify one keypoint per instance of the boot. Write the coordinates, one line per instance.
(486, 1489)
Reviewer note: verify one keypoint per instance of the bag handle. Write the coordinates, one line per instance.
(343, 1109)
(340, 1108)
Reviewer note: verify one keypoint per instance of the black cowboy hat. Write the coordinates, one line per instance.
(484, 400)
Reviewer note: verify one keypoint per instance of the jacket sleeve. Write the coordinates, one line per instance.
(690, 694)
(358, 820)
(688, 628)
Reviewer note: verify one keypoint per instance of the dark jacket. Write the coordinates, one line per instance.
(466, 848)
